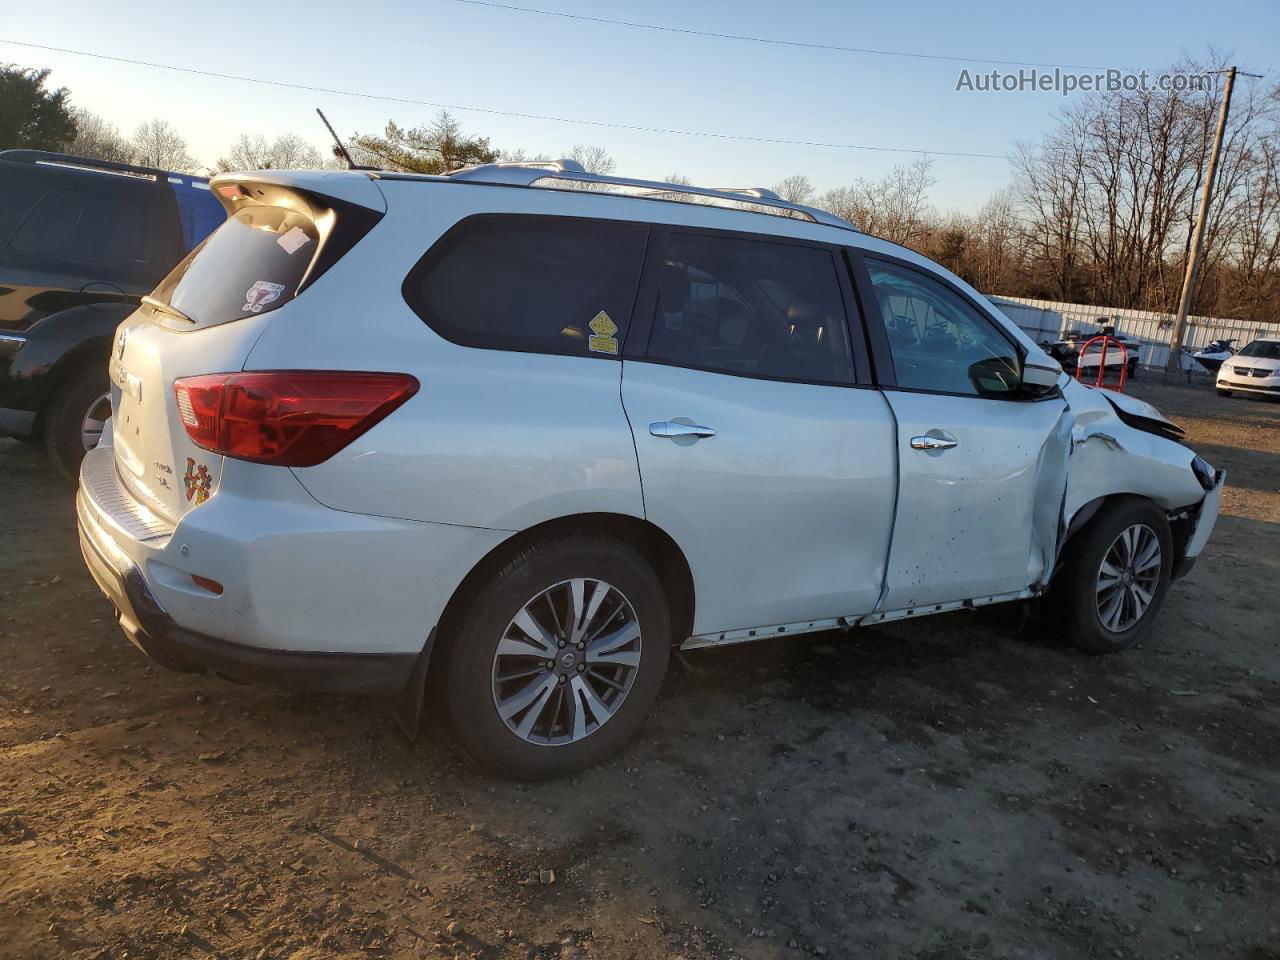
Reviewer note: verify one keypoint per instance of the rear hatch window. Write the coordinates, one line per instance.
(276, 241)
(255, 262)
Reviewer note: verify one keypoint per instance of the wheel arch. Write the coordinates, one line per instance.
(74, 362)
(647, 538)
(1181, 524)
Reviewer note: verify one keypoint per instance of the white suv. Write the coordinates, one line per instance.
(1255, 369)
(521, 438)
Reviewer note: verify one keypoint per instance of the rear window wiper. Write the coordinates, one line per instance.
(166, 309)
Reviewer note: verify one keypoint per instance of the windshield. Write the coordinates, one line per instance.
(253, 263)
(1265, 349)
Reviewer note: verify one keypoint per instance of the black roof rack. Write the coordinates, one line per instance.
(87, 163)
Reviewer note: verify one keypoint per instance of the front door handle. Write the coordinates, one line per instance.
(933, 443)
(680, 428)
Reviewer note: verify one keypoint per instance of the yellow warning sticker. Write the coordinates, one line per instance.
(602, 344)
(603, 328)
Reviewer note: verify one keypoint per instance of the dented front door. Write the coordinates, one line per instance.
(981, 483)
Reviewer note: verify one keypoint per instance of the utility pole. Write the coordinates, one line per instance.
(1174, 362)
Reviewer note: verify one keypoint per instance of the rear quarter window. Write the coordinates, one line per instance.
(108, 229)
(530, 283)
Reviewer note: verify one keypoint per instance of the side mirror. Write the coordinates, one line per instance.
(994, 377)
(1040, 373)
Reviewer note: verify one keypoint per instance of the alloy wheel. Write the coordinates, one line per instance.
(566, 662)
(95, 420)
(1128, 578)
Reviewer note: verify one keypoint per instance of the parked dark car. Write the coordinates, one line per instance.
(81, 241)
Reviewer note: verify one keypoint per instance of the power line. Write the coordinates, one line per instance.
(503, 113)
(775, 40)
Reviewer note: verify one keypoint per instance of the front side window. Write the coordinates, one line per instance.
(939, 341)
(751, 307)
(530, 283)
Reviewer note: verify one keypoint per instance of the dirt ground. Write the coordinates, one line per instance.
(943, 788)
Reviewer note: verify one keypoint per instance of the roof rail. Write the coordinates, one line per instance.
(527, 173)
(51, 158)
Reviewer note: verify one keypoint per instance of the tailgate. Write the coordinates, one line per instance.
(208, 313)
(157, 461)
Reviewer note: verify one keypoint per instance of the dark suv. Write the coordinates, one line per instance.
(81, 241)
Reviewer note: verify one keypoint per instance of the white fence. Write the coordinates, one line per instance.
(1049, 319)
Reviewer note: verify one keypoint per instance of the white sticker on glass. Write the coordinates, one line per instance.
(294, 240)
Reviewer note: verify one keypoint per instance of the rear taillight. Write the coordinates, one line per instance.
(286, 418)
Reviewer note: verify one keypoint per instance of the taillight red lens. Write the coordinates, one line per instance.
(286, 418)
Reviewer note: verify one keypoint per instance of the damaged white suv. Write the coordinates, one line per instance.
(511, 440)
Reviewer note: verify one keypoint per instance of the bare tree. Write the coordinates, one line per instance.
(594, 159)
(1108, 200)
(996, 248)
(97, 138)
(895, 207)
(292, 152)
(287, 152)
(796, 188)
(158, 144)
(523, 156)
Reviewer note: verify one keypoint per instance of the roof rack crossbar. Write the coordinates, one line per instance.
(527, 173)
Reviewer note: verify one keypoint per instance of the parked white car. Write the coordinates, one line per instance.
(1255, 369)
(522, 438)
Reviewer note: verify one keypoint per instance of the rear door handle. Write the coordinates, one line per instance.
(679, 428)
(933, 443)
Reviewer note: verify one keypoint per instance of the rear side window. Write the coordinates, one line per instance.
(534, 284)
(752, 308)
(253, 263)
(96, 228)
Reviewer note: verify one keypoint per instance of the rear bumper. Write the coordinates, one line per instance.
(312, 598)
(151, 629)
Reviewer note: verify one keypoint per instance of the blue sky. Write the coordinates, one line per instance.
(451, 52)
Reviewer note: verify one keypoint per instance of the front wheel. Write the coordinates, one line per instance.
(557, 658)
(1114, 576)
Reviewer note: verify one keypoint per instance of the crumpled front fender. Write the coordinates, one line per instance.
(1109, 457)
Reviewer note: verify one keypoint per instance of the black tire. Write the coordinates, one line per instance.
(469, 683)
(1224, 393)
(65, 416)
(1133, 370)
(1074, 597)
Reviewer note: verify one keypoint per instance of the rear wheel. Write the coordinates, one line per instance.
(1114, 577)
(75, 419)
(557, 658)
